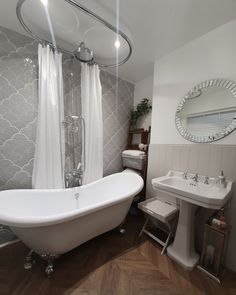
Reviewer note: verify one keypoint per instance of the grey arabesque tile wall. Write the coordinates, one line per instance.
(117, 100)
(18, 110)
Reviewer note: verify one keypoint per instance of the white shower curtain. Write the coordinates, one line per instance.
(48, 171)
(91, 93)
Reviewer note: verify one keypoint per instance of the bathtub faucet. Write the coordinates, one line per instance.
(73, 178)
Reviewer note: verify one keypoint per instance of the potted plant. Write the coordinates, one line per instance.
(142, 109)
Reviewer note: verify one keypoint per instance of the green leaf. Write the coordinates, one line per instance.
(143, 108)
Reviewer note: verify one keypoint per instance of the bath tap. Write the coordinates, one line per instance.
(73, 178)
(67, 179)
(77, 177)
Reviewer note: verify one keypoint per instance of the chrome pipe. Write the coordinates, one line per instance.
(69, 120)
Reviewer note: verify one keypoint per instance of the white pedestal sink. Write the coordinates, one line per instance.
(191, 195)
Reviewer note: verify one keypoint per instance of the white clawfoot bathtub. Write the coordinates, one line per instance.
(53, 222)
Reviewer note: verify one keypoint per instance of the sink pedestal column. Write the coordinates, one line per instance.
(182, 250)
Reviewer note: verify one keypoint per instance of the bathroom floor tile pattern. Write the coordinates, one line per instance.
(108, 265)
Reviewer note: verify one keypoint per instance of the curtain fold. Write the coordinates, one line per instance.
(91, 93)
(48, 171)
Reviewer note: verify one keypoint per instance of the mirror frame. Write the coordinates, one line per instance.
(224, 83)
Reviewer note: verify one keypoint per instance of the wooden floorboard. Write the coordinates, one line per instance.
(111, 264)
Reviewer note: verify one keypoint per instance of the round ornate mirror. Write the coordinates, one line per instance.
(208, 111)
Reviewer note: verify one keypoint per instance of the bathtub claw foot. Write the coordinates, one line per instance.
(28, 265)
(49, 258)
(29, 261)
(122, 231)
(49, 270)
(121, 228)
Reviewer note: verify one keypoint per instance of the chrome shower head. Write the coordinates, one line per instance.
(83, 53)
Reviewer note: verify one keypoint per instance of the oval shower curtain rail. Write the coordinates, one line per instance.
(86, 11)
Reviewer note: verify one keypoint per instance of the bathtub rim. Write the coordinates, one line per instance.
(40, 221)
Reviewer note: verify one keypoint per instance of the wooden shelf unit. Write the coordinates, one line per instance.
(145, 139)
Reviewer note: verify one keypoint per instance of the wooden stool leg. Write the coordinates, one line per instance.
(143, 228)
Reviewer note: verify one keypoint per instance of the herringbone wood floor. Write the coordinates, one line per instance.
(109, 265)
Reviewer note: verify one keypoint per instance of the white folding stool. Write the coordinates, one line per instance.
(163, 212)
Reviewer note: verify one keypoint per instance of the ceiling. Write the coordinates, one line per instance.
(155, 27)
(71, 26)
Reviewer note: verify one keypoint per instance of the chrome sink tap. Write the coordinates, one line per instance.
(195, 177)
(185, 175)
(206, 181)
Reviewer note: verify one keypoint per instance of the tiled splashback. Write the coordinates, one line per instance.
(18, 109)
(206, 159)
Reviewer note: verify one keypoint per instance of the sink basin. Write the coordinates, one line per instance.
(199, 193)
(190, 194)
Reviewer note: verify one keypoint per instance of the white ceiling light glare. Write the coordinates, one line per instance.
(44, 2)
(117, 44)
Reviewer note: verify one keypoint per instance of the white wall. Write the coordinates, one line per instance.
(144, 89)
(211, 56)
